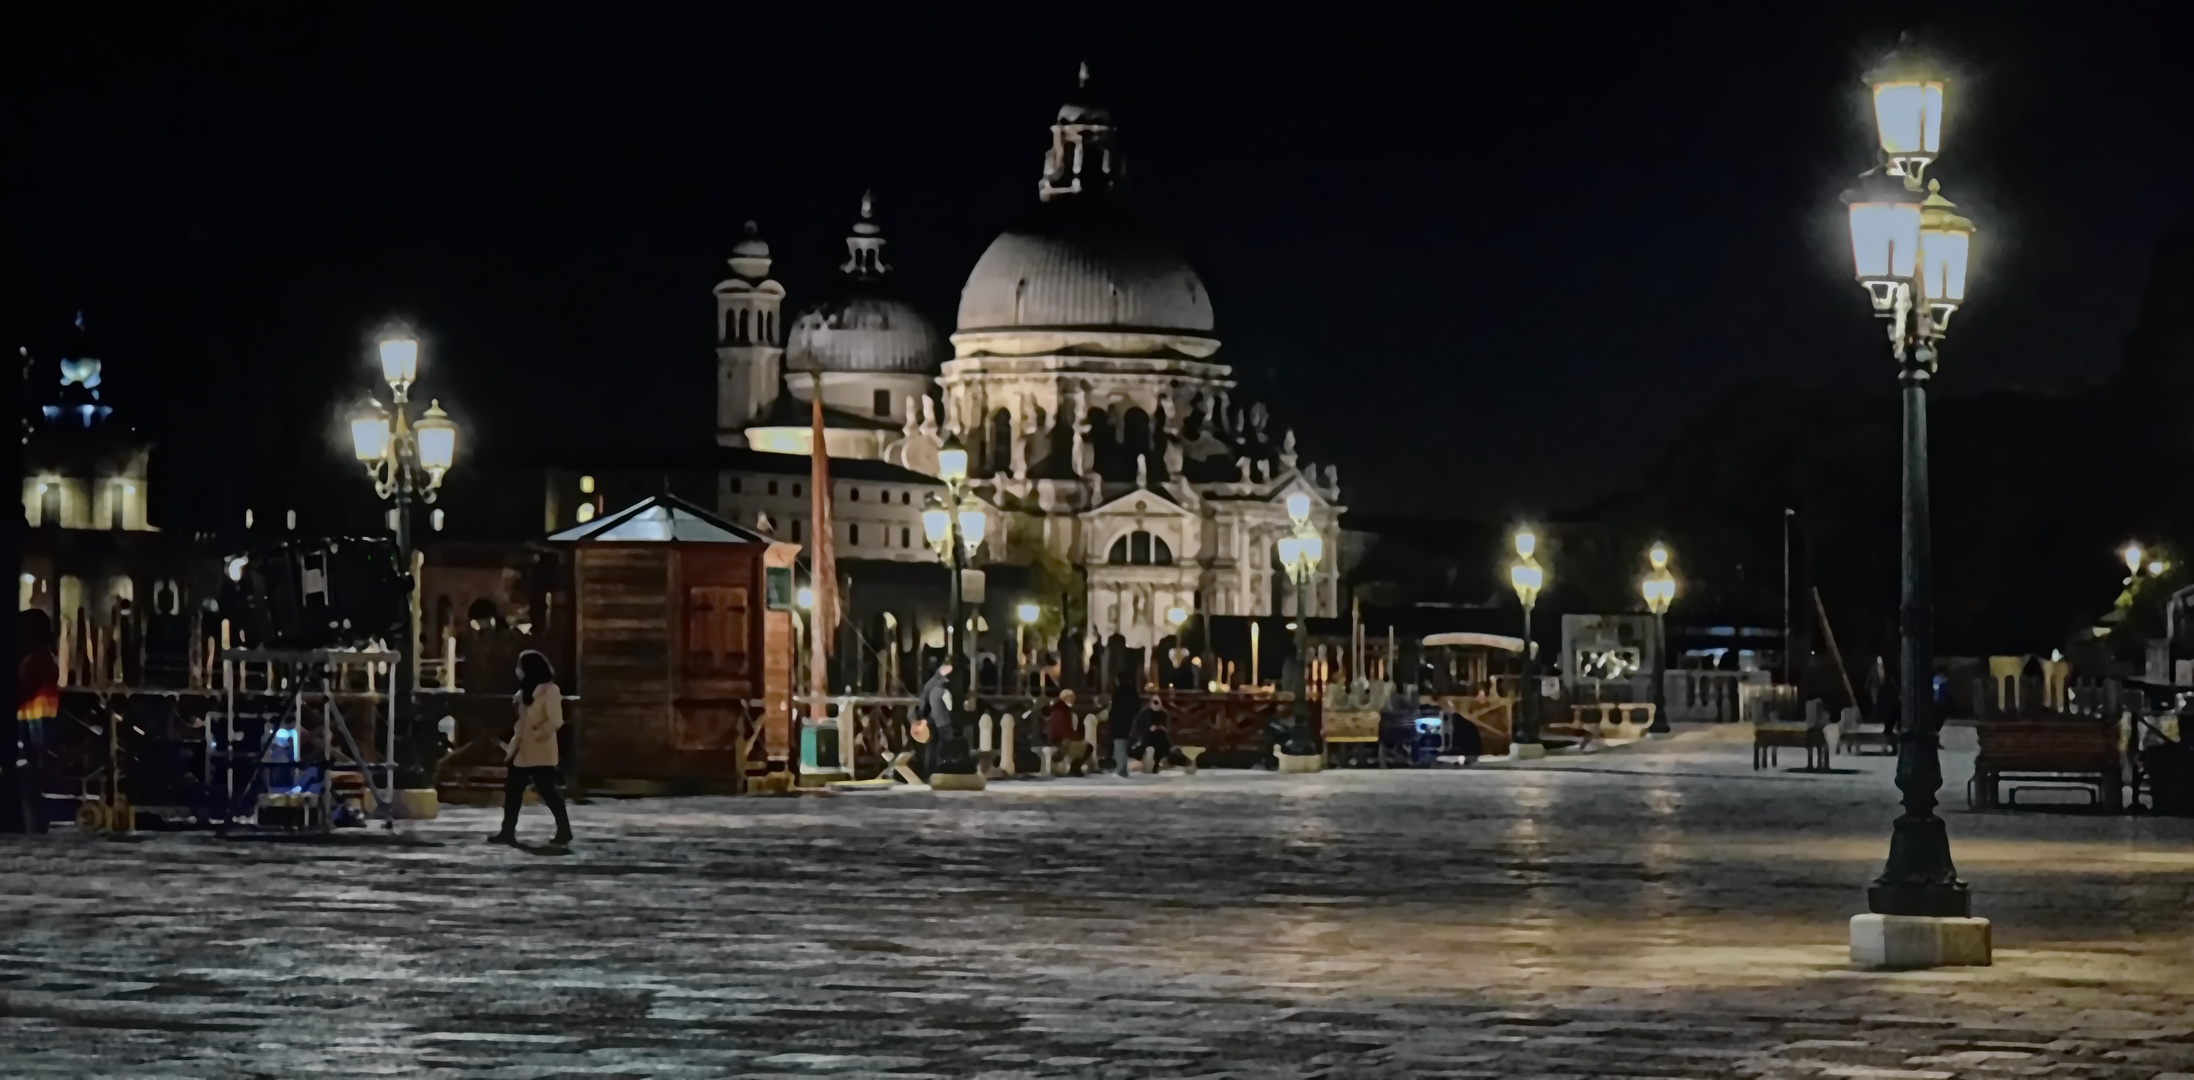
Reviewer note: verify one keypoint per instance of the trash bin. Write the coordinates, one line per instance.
(2170, 769)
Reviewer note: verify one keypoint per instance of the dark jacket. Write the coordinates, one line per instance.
(934, 704)
(1120, 718)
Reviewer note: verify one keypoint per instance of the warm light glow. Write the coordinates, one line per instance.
(1298, 508)
(1526, 578)
(1658, 556)
(400, 361)
(2133, 555)
(805, 598)
(437, 440)
(1659, 590)
(586, 513)
(438, 520)
(952, 460)
(2155, 568)
(972, 527)
(1176, 616)
(586, 485)
(236, 567)
(1029, 612)
(1291, 552)
(1527, 543)
(936, 524)
(369, 432)
(1314, 549)
(1946, 240)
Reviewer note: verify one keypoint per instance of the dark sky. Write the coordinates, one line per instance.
(1476, 258)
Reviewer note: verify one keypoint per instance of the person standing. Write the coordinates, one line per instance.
(38, 699)
(934, 705)
(532, 748)
(1127, 701)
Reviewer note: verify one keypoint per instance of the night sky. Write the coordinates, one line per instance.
(1477, 262)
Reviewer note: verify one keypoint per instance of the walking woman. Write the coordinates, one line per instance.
(532, 748)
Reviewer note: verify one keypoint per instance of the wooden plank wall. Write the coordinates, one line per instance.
(625, 630)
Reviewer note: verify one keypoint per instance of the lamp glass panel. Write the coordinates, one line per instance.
(1527, 542)
(1029, 613)
(1291, 552)
(437, 446)
(1942, 263)
(936, 524)
(1908, 116)
(399, 361)
(369, 437)
(1524, 576)
(1885, 238)
(972, 527)
(1314, 548)
(952, 464)
(1298, 507)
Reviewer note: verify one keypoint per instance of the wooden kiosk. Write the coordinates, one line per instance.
(684, 651)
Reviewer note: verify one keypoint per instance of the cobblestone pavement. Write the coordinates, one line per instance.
(1661, 911)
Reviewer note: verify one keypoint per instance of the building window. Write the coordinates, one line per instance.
(795, 491)
(1140, 548)
(795, 530)
(773, 487)
(906, 498)
(735, 485)
(906, 537)
(853, 535)
(883, 403)
(856, 492)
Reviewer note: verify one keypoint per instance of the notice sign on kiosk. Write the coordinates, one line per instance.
(777, 588)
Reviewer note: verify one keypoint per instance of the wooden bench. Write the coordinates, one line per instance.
(2064, 753)
(1768, 738)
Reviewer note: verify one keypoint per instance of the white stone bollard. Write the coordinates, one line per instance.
(983, 734)
(1005, 742)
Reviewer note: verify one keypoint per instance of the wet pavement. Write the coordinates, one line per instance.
(1663, 911)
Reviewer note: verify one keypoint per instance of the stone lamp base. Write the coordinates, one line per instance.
(1913, 942)
(945, 781)
(1528, 751)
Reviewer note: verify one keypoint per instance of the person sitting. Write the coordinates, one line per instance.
(1152, 743)
(1065, 731)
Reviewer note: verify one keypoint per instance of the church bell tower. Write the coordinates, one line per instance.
(748, 353)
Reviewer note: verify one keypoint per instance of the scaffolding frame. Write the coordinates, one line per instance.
(311, 681)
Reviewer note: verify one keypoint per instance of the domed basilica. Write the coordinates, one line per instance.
(1084, 379)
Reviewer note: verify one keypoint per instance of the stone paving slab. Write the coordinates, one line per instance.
(1660, 913)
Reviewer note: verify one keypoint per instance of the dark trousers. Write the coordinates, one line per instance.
(24, 779)
(543, 778)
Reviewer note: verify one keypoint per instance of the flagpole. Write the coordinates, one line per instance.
(823, 566)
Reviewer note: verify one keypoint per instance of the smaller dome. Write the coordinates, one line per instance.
(864, 333)
(864, 324)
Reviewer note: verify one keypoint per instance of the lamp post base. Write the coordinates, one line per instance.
(1913, 942)
(1920, 901)
(1526, 751)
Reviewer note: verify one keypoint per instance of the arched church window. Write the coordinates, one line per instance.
(743, 338)
(1140, 548)
(883, 403)
(1001, 441)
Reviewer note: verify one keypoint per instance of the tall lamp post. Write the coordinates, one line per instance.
(406, 461)
(1909, 251)
(1527, 577)
(954, 527)
(1026, 615)
(1300, 552)
(1659, 589)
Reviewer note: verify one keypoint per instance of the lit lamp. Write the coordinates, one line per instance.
(1527, 578)
(1300, 553)
(407, 462)
(1910, 252)
(2132, 554)
(1659, 590)
(955, 525)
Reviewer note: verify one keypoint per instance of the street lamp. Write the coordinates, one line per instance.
(1910, 252)
(1026, 615)
(1300, 552)
(1659, 589)
(406, 462)
(1527, 578)
(954, 527)
(2132, 553)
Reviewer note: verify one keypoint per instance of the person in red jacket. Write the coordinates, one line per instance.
(1065, 730)
(38, 699)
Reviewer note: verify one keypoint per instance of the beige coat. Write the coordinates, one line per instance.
(533, 742)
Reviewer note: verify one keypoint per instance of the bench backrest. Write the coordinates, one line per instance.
(2048, 743)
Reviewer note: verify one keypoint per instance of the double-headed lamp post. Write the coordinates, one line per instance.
(1300, 552)
(1909, 250)
(1527, 577)
(406, 460)
(1659, 590)
(954, 527)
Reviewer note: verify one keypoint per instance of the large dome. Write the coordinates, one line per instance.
(1083, 263)
(864, 333)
